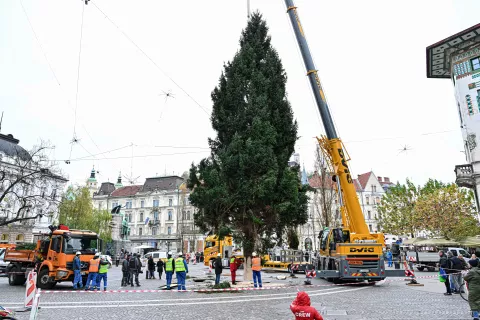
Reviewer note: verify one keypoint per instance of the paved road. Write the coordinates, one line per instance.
(390, 300)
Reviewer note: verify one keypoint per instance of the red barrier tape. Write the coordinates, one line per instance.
(225, 289)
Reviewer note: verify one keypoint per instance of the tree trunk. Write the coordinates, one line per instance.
(247, 269)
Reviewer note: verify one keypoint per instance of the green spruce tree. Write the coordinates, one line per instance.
(246, 184)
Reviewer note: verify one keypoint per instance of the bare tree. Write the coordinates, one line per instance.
(29, 184)
(324, 207)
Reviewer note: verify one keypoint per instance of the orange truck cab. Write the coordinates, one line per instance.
(53, 256)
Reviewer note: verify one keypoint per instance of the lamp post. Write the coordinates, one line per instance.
(178, 212)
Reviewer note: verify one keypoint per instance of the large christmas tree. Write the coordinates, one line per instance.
(246, 186)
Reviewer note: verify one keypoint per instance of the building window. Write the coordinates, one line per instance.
(155, 215)
(369, 214)
(141, 216)
(142, 204)
(377, 200)
(170, 202)
(369, 227)
(128, 204)
(188, 215)
(129, 217)
(169, 230)
(156, 203)
(19, 237)
(154, 231)
(4, 237)
(374, 188)
(170, 215)
(367, 200)
(476, 63)
(187, 200)
(114, 204)
(140, 231)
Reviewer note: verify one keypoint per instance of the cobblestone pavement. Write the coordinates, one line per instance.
(390, 300)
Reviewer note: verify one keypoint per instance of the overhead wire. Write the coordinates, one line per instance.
(135, 156)
(151, 60)
(39, 43)
(78, 69)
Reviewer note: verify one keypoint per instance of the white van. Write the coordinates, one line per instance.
(157, 255)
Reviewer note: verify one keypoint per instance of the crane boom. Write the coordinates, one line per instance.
(353, 218)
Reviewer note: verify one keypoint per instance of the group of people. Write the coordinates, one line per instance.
(131, 268)
(97, 271)
(452, 267)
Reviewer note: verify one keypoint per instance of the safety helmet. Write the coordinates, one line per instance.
(97, 255)
(219, 254)
(254, 254)
(170, 252)
(180, 254)
(78, 253)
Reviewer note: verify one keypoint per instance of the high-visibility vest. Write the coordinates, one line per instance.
(103, 268)
(232, 260)
(179, 266)
(256, 264)
(94, 265)
(169, 265)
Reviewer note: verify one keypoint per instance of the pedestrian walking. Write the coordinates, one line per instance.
(234, 264)
(181, 270)
(160, 266)
(125, 271)
(77, 277)
(102, 273)
(446, 264)
(134, 266)
(473, 279)
(151, 268)
(257, 270)
(92, 273)
(169, 269)
(301, 308)
(218, 268)
(117, 261)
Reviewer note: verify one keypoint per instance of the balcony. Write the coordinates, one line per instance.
(464, 176)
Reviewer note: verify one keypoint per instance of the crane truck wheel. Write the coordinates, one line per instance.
(420, 268)
(43, 280)
(14, 278)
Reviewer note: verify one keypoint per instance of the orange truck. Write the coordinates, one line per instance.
(52, 258)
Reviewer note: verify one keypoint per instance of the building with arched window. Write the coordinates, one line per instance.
(31, 191)
(158, 213)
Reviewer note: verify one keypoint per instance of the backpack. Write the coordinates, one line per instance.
(132, 264)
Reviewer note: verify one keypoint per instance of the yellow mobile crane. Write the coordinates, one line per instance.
(351, 252)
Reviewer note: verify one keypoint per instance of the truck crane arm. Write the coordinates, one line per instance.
(352, 215)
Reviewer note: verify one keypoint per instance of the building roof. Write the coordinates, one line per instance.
(9, 146)
(162, 183)
(127, 191)
(439, 54)
(105, 189)
(363, 179)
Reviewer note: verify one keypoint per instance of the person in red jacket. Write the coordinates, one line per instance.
(234, 264)
(301, 308)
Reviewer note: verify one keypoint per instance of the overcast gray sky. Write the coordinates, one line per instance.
(370, 56)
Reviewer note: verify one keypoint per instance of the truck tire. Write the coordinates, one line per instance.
(431, 269)
(43, 280)
(15, 279)
(420, 268)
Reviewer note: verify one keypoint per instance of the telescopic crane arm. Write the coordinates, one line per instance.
(352, 215)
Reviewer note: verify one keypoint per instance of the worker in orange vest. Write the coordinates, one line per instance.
(93, 272)
(257, 269)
